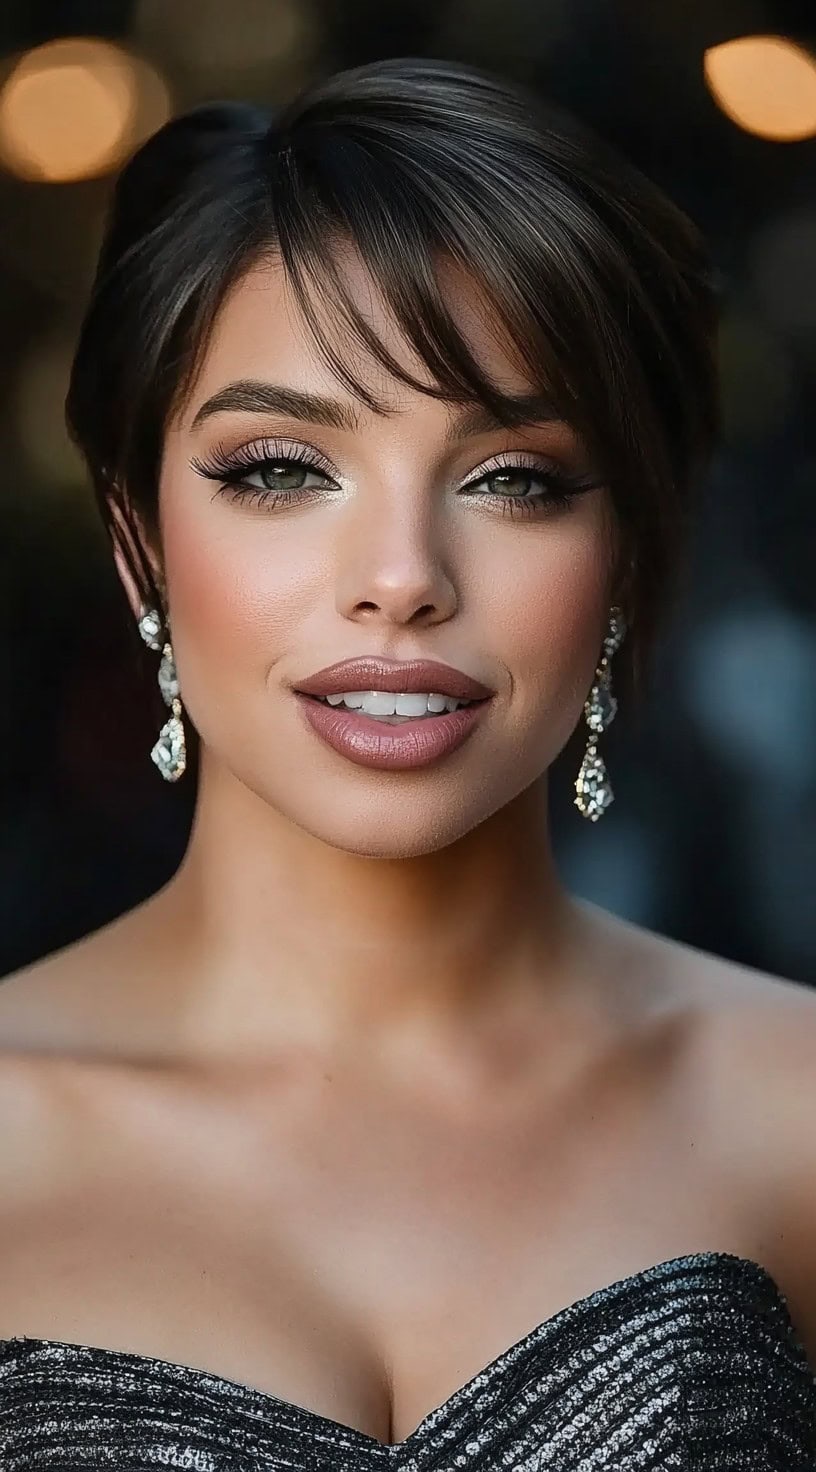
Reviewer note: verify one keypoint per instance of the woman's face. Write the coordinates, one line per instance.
(422, 533)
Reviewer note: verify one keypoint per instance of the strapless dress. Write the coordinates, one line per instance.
(691, 1364)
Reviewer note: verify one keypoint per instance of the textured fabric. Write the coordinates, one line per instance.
(690, 1364)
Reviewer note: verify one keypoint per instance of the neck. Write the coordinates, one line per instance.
(287, 935)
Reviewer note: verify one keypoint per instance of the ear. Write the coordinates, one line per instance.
(134, 596)
(130, 552)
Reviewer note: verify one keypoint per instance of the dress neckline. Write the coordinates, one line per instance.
(744, 1270)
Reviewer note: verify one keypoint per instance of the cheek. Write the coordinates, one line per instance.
(246, 590)
(238, 589)
(553, 604)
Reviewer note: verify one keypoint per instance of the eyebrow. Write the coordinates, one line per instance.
(255, 396)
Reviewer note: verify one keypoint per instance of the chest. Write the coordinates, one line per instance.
(687, 1364)
(361, 1263)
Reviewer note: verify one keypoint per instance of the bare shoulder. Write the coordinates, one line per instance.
(758, 1049)
(751, 1035)
(748, 1045)
(748, 1066)
(736, 1005)
(755, 1048)
(756, 1029)
(75, 1001)
(67, 1024)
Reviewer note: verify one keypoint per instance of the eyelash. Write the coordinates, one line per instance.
(231, 468)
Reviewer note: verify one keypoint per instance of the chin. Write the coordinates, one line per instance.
(389, 830)
(374, 814)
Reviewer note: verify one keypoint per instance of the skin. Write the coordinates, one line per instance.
(363, 1056)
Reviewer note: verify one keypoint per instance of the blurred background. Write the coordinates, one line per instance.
(712, 838)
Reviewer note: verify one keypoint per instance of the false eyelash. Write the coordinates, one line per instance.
(557, 480)
(225, 466)
(221, 464)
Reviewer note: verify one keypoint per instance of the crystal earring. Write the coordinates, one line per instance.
(592, 785)
(170, 751)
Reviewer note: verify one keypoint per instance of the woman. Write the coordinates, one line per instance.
(362, 1143)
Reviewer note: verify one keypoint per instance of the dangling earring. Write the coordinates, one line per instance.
(592, 785)
(170, 751)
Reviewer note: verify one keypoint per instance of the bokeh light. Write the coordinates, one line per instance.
(712, 838)
(765, 84)
(73, 109)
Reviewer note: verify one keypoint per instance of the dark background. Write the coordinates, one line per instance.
(712, 838)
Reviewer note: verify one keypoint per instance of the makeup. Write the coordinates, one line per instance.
(392, 714)
(373, 742)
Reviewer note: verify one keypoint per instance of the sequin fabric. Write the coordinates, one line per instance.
(691, 1364)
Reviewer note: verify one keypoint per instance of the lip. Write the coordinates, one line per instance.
(371, 743)
(408, 676)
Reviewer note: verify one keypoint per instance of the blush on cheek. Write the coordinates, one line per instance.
(562, 607)
(209, 549)
(240, 587)
(206, 591)
(555, 610)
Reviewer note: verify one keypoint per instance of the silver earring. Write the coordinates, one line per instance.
(592, 786)
(170, 750)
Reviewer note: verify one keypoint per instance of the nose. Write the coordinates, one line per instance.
(394, 572)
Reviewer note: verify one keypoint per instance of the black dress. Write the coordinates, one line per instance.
(692, 1363)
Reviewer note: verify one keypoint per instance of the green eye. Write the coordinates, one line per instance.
(529, 490)
(265, 474)
(280, 475)
(518, 482)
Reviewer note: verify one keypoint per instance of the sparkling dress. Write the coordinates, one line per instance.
(693, 1363)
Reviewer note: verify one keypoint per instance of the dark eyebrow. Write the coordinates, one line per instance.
(255, 396)
(522, 409)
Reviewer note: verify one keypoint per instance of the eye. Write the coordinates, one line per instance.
(529, 487)
(518, 481)
(269, 473)
(282, 475)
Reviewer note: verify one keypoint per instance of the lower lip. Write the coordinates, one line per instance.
(373, 743)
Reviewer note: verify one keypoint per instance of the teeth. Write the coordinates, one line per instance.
(412, 705)
(386, 703)
(379, 703)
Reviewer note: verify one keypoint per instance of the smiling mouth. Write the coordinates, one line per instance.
(395, 708)
(391, 731)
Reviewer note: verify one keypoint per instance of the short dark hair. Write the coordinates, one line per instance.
(602, 284)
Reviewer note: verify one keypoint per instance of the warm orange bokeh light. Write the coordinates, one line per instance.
(765, 84)
(73, 109)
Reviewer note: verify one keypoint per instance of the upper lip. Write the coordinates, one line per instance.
(413, 675)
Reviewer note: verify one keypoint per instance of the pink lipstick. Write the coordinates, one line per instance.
(383, 728)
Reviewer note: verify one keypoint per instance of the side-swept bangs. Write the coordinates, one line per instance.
(599, 284)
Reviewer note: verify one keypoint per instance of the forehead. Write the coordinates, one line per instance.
(260, 331)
